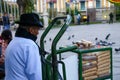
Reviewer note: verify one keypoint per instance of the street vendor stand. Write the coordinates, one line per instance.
(95, 63)
(91, 63)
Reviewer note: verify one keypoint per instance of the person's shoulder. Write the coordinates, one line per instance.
(23, 40)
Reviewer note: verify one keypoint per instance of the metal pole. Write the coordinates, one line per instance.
(4, 6)
(11, 9)
(86, 7)
(17, 12)
(37, 5)
(14, 9)
(69, 8)
(7, 5)
(1, 7)
(45, 14)
(52, 9)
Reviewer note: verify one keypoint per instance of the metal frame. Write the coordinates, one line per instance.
(85, 51)
(50, 70)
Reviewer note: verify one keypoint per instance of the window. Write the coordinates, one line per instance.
(82, 5)
(97, 3)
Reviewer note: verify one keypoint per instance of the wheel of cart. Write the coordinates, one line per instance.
(93, 63)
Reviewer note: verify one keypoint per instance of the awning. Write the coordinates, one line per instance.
(115, 1)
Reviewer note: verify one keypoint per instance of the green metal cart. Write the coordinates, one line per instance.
(93, 63)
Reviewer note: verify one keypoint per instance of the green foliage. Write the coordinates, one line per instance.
(58, 22)
(3, 5)
(52, 12)
(49, 20)
(28, 6)
(118, 13)
(76, 11)
(42, 21)
(117, 4)
(72, 14)
(67, 9)
(118, 10)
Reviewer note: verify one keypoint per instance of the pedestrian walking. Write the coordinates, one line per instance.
(6, 21)
(78, 18)
(68, 16)
(111, 18)
(22, 60)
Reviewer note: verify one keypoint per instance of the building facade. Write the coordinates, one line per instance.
(10, 7)
(97, 9)
(100, 8)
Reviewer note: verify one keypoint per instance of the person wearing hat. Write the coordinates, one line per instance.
(22, 59)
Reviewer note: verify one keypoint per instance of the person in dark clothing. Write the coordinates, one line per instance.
(88, 19)
(111, 18)
(6, 21)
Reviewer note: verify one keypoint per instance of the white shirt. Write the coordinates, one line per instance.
(22, 60)
(69, 18)
(78, 16)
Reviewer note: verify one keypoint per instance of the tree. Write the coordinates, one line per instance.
(2, 5)
(25, 6)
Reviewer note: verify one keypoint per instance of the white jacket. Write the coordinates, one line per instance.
(22, 60)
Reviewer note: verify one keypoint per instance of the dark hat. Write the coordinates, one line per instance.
(30, 19)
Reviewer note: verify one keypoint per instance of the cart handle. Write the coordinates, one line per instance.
(47, 30)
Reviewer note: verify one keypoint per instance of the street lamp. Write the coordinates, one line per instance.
(105, 12)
